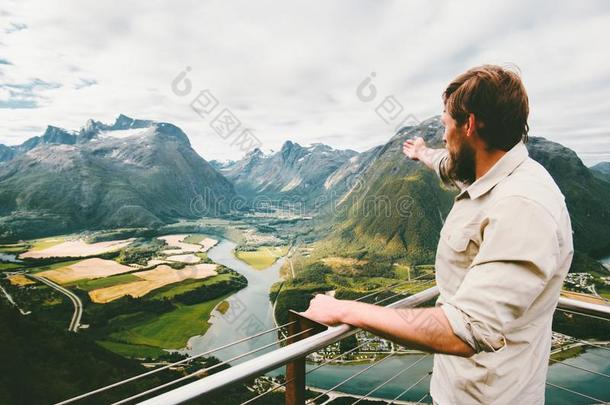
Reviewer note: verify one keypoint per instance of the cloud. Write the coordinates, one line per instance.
(14, 27)
(290, 70)
(85, 83)
(24, 95)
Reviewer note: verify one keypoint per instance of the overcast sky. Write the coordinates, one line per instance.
(290, 69)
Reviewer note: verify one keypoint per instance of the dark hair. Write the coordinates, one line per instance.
(497, 98)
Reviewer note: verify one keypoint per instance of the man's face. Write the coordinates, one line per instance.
(462, 154)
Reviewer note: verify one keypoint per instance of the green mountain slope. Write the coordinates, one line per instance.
(359, 231)
(43, 365)
(601, 171)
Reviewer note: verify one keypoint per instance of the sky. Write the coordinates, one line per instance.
(297, 70)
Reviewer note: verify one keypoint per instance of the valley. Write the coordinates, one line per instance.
(150, 271)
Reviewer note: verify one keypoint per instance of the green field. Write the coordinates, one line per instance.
(15, 249)
(262, 257)
(44, 243)
(196, 238)
(170, 330)
(9, 266)
(54, 266)
(603, 290)
(403, 271)
(171, 290)
(93, 284)
(132, 351)
(566, 354)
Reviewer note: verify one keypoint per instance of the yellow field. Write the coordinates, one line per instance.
(85, 269)
(187, 258)
(151, 280)
(207, 243)
(180, 247)
(155, 262)
(44, 243)
(20, 279)
(75, 248)
(263, 257)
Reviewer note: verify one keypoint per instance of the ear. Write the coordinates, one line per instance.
(471, 124)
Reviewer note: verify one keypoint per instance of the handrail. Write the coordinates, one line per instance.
(586, 308)
(279, 357)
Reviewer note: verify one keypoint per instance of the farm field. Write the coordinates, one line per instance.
(186, 258)
(94, 284)
(170, 330)
(20, 280)
(178, 244)
(151, 280)
(72, 248)
(85, 269)
(262, 257)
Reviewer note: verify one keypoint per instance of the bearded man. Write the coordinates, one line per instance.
(503, 253)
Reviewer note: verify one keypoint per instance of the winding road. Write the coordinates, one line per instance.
(78, 304)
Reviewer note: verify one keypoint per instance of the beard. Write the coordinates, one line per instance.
(461, 163)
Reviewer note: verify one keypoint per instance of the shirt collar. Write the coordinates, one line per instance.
(500, 170)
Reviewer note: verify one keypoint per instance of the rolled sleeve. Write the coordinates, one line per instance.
(516, 259)
(439, 164)
(439, 161)
(475, 334)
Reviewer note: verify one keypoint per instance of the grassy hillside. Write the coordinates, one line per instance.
(397, 208)
(42, 364)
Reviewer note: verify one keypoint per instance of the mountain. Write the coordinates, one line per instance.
(294, 172)
(133, 173)
(600, 170)
(586, 196)
(397, 208)
(218, 165)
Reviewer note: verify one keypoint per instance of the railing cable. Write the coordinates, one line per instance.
(580, 368)
(199, 372)
(410, 388)
(584, 342)
(583, 314)
(384, 289)
(374, 364)
(308, 371)
(577, 393)
(422, 398)
(157, 370)
(386, 382)
(402, 293)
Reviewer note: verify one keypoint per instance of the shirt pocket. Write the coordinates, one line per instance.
(458, 241)
(462, 246)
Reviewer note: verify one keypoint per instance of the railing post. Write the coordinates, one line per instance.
(295, 370)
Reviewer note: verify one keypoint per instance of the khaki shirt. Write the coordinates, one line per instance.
(504, 251)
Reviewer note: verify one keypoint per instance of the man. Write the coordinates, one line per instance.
(502, 256)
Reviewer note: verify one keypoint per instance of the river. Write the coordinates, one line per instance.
(251, 312)
(6, 257)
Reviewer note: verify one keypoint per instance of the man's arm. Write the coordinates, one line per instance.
(434, 159)
(416, 149)
(423, 328)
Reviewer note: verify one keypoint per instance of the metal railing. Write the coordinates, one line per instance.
(283, 356)
(303, 338)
